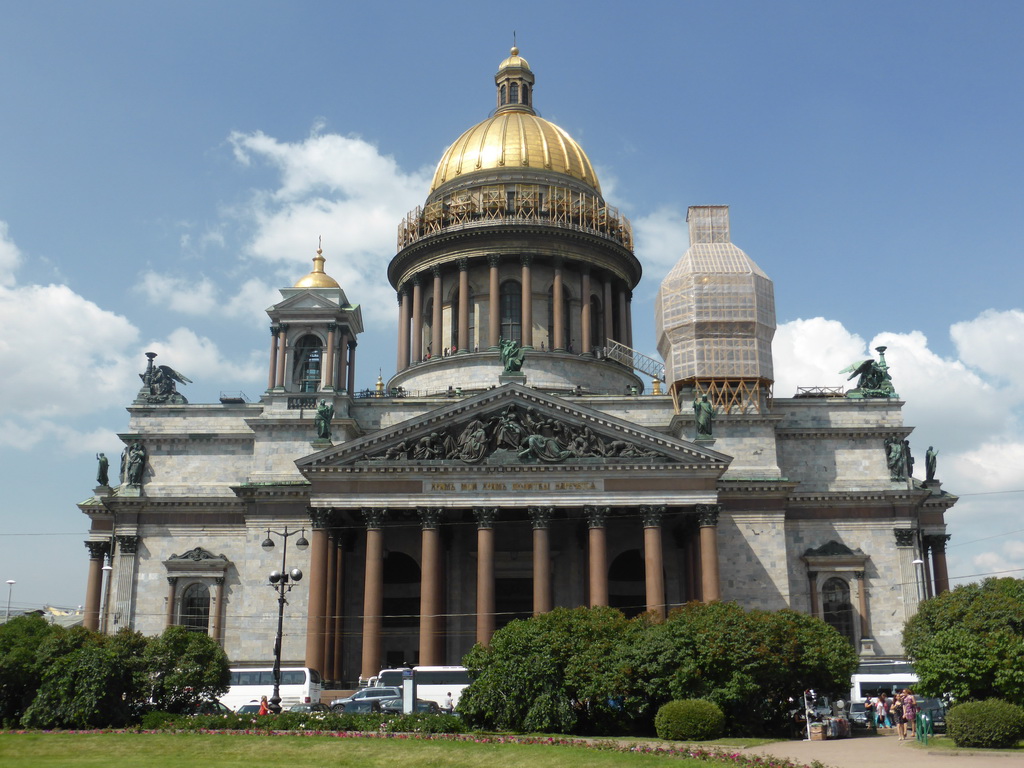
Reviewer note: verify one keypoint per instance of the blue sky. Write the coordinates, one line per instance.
(165, 167)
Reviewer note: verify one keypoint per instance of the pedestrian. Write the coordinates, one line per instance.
(449, 703)
(264, 708)
(882, 711)
(909, 709)
(896, 712)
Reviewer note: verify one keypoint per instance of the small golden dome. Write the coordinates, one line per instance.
(318, 278)
(514, 60)
(515, 140)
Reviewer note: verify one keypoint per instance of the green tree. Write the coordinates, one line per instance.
(185, 669)
(88, 680)
(749, 663)
(20, 639)
(969, 643)
(552, 673)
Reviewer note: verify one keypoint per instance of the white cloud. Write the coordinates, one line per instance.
(993, 342)
(10, 256)
(186, 295)
(342, 188)
(61, 354)
(811, 352)
(662, 237)
(199, 358)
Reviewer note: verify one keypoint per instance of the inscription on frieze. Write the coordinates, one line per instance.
(512, 486)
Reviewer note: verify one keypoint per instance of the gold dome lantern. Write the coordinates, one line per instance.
(318, 278)
(515, 137)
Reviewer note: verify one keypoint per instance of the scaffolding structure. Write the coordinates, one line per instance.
(715, 316)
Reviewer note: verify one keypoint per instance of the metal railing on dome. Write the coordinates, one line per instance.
(498, 204)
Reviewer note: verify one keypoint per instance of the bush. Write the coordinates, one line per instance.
(689, 720)
(306, 721)
(992, 724)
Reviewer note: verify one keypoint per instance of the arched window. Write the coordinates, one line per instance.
(308, 353)
(627, 588)
(836, 607)
(565, 316)
(513, 93)
(512, 311)
(195, 608)
(503, 100)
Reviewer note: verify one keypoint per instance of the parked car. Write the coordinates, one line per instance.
(249, 709)
(358, 707)
(378, 692)
(317, 707)
(424, 706)
(936, 710)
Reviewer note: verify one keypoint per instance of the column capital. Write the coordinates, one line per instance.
(541, 516)
(430, 517)
(707, 515)
(320, 517)
(904, 536)
(596, 516)
(172, 580)
(859, 576)
(493, 260)
(332, 327)
(526, 259)
(219, 581)
(937, 541)
(485, 516)
(416, 281)
(652, 515)
(435, 271)
(129, 545)
(462, 264)
(274, 329)
(374, 517)
(558, 262)
(97, 549)
(282, 327)
(812, 575)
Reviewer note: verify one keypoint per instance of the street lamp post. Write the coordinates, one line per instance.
(10, 588)
(282, 582)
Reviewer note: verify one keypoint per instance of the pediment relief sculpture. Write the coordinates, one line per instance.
(516, 434)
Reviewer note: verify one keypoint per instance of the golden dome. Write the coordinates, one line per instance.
(513, 140)
(514, 60)
(318, 278)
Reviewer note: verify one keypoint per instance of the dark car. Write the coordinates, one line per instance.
(423, 706)
(380, 692)
(936, 711)
(358, 707)
(317, 707)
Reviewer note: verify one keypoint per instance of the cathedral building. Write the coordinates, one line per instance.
(523, 455)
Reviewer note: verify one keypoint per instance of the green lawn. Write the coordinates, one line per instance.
(165, 750)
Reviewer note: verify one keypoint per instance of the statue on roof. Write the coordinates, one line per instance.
(704, 412)
(158, 385)
(931, 462)
(322, 420)
(874, 380)
(103, 470)
(512, 355)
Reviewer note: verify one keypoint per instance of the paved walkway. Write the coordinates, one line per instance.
(868, 751)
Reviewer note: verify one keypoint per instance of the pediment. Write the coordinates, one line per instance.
(309, 298)
(515, 426)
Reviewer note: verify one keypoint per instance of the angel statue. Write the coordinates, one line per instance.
(874, 380)
(158, 384)
(512, 355)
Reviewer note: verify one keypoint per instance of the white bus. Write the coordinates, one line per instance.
(299, 685)
(873, 677)
(432, 683)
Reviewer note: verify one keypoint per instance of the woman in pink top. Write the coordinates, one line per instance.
(909, 709)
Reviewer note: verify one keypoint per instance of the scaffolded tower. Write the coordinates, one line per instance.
(715, 319)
